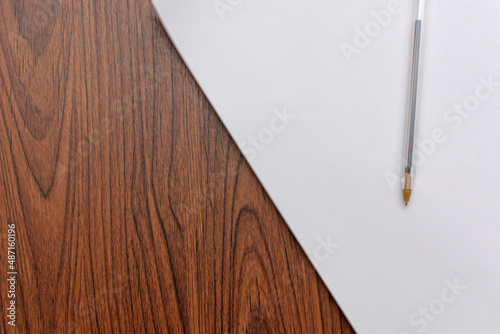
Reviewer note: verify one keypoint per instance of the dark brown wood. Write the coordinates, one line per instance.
(134, 210)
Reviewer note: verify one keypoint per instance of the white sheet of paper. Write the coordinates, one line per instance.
(319, 110)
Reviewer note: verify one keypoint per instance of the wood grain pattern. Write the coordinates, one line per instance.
(134, 210)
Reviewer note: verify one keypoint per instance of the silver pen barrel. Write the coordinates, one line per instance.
(411, 130)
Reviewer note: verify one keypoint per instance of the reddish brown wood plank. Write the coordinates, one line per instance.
(134, 210)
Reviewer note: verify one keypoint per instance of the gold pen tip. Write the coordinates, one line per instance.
(406, 196)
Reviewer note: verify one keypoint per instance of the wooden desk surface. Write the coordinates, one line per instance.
(134, 211)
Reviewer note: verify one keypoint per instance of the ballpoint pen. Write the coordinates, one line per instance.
(409, 168)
